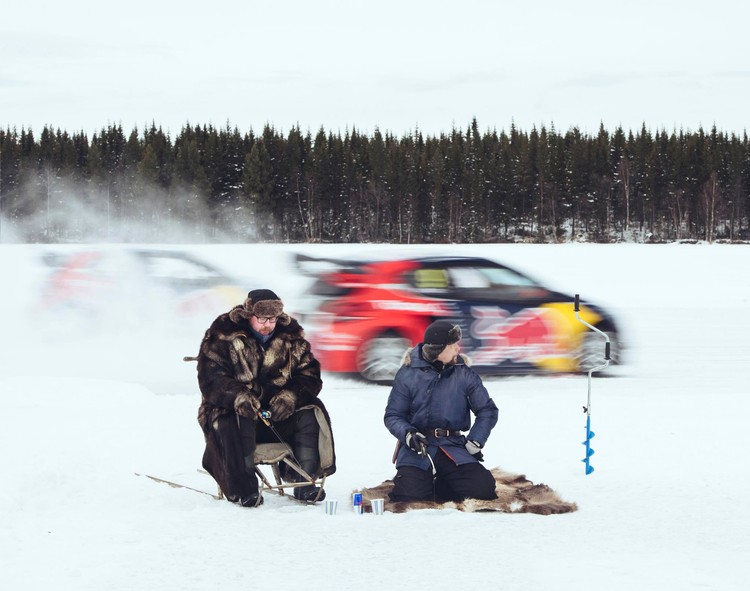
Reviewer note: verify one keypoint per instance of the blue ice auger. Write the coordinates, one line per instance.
(587, 408)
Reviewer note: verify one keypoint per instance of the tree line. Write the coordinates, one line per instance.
(219, 184)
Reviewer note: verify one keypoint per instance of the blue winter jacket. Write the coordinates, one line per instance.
(424, 399)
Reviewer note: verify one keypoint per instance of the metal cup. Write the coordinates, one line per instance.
(377, 506)
(331, 506)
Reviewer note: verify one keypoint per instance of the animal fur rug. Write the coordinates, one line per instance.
(515, 494)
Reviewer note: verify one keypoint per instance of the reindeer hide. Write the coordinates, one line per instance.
(515, 494)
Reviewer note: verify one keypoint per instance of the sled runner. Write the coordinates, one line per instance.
(276, 455)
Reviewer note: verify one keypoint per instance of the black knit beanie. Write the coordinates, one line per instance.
(438, 335)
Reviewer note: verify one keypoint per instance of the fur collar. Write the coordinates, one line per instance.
(412, 356)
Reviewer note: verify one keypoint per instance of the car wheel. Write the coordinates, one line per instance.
(379, 358)
(590, 354)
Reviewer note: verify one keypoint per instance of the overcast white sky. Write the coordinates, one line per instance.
(393, 64)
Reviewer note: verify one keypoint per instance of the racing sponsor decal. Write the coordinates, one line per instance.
(524, 337)
(422, 307)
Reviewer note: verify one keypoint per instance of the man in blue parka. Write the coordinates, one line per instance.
(429, 412)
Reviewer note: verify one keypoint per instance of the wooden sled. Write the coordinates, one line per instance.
(275, 454)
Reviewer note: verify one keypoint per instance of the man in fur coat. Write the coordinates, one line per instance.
(255, 358)
(428, 410)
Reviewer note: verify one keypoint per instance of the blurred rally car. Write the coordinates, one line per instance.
(361, 316)
(94, 289)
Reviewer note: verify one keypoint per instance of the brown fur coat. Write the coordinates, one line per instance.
(232, 362)
(515, 494)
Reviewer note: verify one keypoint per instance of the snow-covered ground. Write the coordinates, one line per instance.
(666, 507)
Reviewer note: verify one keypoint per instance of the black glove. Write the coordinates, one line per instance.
(282, 405)
(475, 449)
(415, 441)
(246, 405)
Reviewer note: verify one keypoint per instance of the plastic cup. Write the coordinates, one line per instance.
(357, 503)
(377, 506)
(331, 506)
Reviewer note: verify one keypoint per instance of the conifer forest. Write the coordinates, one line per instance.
(471, 185)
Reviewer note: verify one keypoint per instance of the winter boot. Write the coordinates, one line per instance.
(309, 461)
(309, 494)
(252, 500)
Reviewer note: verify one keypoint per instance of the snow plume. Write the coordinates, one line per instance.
(138, 308)
(59, 209)
(8, 231)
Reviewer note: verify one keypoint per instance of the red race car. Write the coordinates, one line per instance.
(362, 316)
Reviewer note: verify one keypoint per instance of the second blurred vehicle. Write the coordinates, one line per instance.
(125, 288)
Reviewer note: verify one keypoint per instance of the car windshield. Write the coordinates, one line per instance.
(474, 282)
(177, 267)
(486, 277)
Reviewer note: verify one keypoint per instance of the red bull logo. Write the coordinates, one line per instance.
(523, 337)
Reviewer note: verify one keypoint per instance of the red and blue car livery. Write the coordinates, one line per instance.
(361, 316)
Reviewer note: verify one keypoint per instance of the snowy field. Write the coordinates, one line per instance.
(666, 507)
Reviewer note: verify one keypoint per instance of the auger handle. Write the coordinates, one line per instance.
(607, 358)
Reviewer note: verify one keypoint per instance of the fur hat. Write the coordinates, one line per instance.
(439, 335)
(263, 303)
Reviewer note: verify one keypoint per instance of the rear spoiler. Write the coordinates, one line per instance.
(315, 266)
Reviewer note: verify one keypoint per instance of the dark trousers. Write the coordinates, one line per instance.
(453, 483)
(300, 431)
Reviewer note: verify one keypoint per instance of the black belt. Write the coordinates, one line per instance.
(443, 432)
